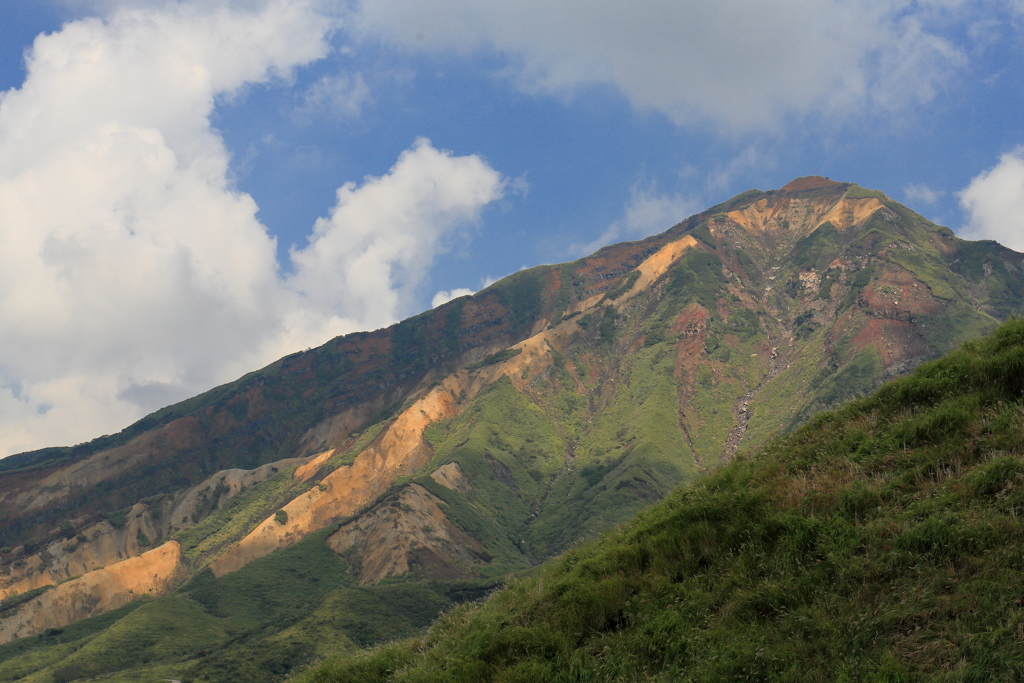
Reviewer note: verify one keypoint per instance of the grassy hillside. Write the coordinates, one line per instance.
(256, 624)
(879, 542)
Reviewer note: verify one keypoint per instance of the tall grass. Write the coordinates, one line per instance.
(881, 542)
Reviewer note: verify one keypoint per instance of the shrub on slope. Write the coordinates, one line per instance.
(882, 541)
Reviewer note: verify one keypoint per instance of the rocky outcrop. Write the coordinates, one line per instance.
(409, 533)
(451, 476)
(101, 544)
(123, 535)
(99, 591)
(399, 449)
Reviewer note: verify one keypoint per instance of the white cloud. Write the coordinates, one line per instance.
(740, 63)
(919, 192)
(725, 174)
(131, 272)
(337, 95)
(374, 250)
(442, 297)
(994, 202)
(646, 213)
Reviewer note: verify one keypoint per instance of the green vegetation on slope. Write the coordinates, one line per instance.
(629, 453)
(879, 542)
(257, 624)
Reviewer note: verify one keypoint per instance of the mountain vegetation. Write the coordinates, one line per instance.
(347, 495)
(879, 542)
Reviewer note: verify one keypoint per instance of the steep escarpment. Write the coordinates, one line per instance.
(120, 535)
(99, 591)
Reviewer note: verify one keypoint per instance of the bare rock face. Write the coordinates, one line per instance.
(124, 535)
(99, 591)
(97, 545)
(409, 533)
(451, 476)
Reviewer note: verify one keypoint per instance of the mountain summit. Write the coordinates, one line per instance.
(401, 470)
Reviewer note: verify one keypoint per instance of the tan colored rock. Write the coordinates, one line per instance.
(104, 545)
(656, 265)
(410, 533)
(400, 449)
(801, 217)
(451, 476)
(306, 472)
(95, 593)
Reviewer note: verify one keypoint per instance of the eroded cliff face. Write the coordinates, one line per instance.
(401, 448)
(409, 533)
(123, 535)
(248, 423)
(96, 546)
(99, 591)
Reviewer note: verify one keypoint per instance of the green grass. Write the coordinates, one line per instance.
(509, 448)
(349, 456)
(278, 588)
(24, 656)
(240, 515)
(880, 542)
(166, 629)
(858, 192)
(630, 454)
(162, 632)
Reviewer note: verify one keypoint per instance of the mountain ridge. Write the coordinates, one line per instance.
(500, 428)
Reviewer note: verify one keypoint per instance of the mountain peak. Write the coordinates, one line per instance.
(810, 182)
(802, 206)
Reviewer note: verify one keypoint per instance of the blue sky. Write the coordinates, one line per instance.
(189, 190)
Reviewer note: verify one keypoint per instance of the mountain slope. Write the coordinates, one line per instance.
(879, 542)
(480, 438)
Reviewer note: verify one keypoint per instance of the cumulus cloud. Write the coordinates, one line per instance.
(132, 273)
(919, 192)
(337, 95)
(994, 202)
(442, 297)
(646, 213)
(740, 63)
(374, 249)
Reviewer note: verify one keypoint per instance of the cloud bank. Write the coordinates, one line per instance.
(742, 64)
(994, 203)
(132, 273)
(647, 213)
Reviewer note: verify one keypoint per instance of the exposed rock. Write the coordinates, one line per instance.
(97, 592)
(451, 476)
(409, 533)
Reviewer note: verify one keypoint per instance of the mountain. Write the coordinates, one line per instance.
(880, 542)
(348, 494)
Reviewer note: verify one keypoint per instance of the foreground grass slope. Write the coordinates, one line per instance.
(882, 541)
